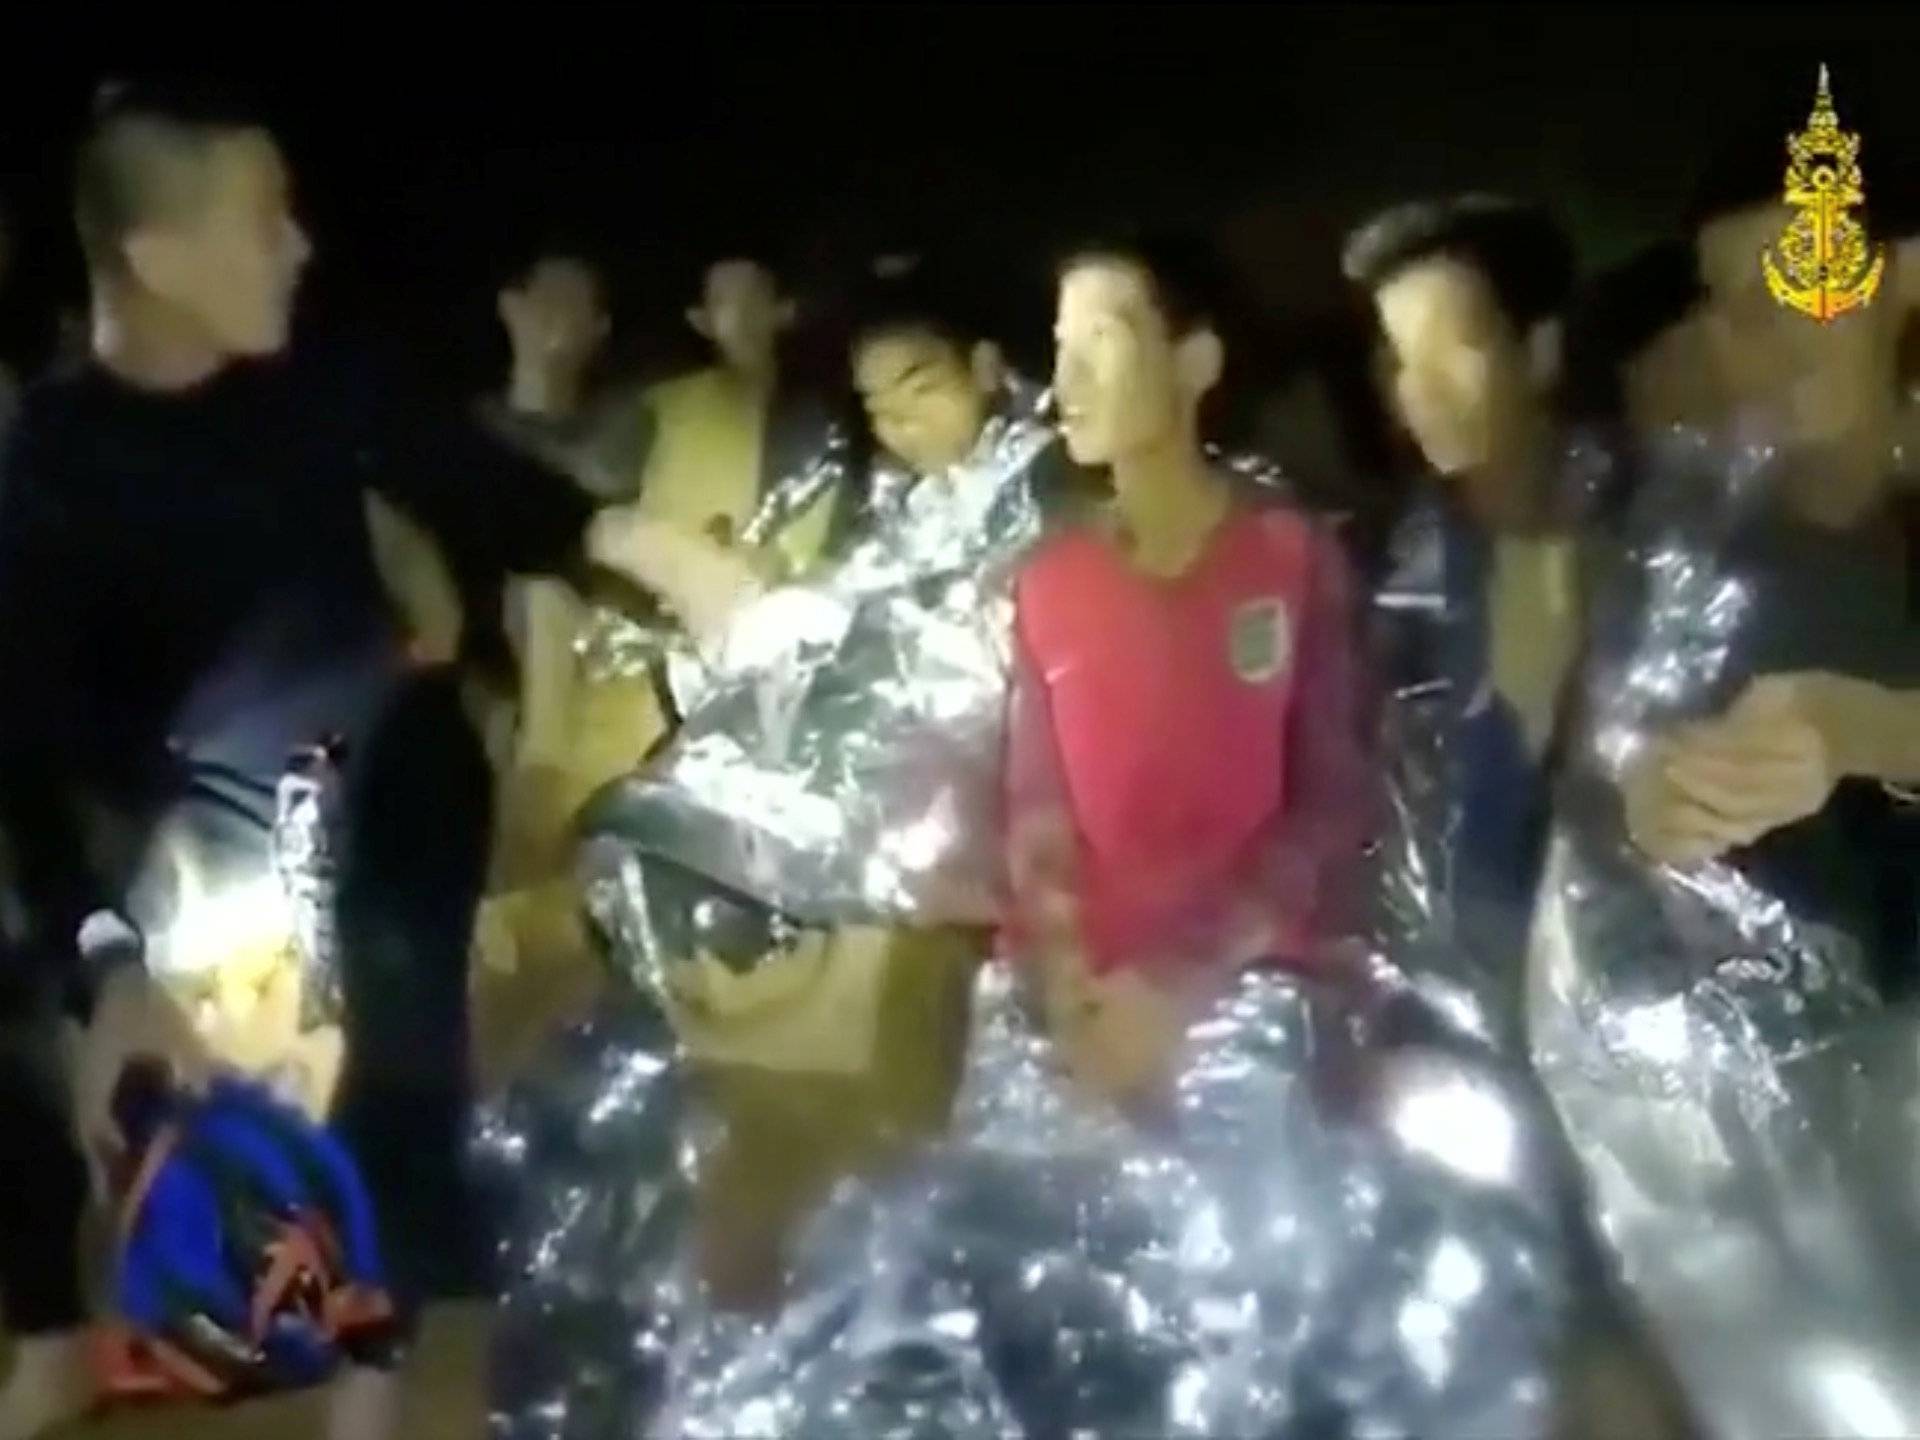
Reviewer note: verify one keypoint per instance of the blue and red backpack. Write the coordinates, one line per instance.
(247, 1260)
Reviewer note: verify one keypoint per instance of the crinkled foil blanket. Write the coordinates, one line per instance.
(839, 753)
(1743, 1106)
(1324, 1239)
(1356, 1221)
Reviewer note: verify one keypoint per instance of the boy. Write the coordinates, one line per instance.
(878, 733)
(1188, 779)
(1731, 896)
(1470, 294)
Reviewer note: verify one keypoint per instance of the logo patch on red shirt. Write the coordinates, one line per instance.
(1260, 641)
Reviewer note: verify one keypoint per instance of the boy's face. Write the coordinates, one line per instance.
(1123, 383)
(742, 313)
(1460, 380)
(232, 259)
(558, 309)
(925, 400)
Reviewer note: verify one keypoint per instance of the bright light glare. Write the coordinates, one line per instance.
(233, 924)
(1853, 1400)
(1425, 1328)
(1464, 1126)
(1455, 1275)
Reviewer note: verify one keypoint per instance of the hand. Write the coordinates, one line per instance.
(1040, 860)
(1119, 1034)
(702, 582)
(639, 549)
(133, 1019)
(416, 577)
(610, 536)
(1722, 785)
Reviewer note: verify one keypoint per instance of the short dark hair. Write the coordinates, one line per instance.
(920, 302)
(144, 146)
(1186, 276)
(760, 257)
(520, 271)
(1525, 257)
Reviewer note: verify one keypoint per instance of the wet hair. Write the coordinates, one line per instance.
(144, 155)
(1525, 257)
(921, 302)
(1185, 276)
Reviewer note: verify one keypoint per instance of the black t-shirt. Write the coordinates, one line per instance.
(1843, 603)
(195, 568)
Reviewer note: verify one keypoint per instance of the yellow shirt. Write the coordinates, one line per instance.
(704, 463)
(706, 460)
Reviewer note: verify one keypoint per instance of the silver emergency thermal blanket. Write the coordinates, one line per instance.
(1742, 1103)
(1325, 1237)
(840, 755)
(1455, 878)
(1353, 1220)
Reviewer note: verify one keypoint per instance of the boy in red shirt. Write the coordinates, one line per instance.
(1189, 784)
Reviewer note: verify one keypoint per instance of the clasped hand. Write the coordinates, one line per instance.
(1711, 787)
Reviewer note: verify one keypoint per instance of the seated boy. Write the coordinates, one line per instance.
(815, 951)
(1188, 774)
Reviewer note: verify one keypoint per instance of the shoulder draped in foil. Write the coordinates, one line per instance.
(1743, 1103)
(1453, 895)
(839, 758)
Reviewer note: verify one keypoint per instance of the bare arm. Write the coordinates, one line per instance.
(416, 576)
(551, 617)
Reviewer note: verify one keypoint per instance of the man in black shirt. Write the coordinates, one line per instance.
(186, 579)
(558, 403)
